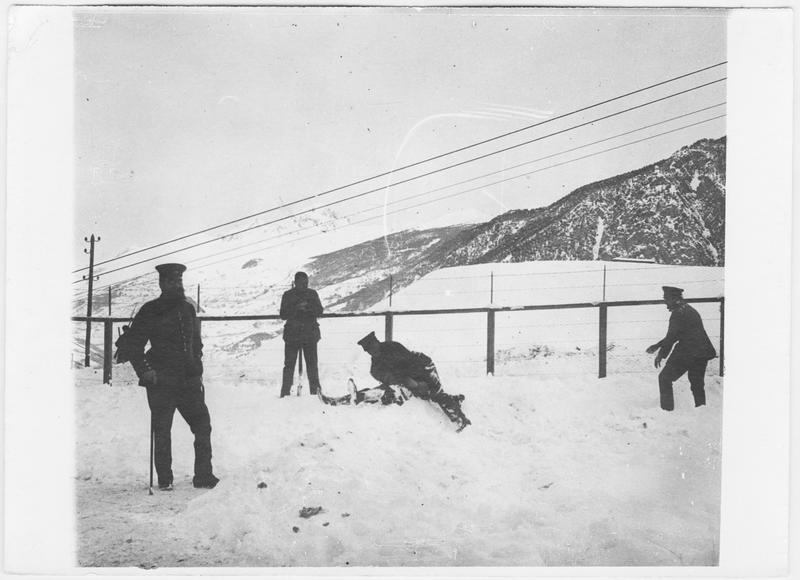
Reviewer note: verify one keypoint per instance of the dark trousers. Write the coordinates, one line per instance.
(674, 369)
(290, 351)
(189, 399)
(428, 386)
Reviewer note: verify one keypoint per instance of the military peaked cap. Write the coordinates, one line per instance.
(168, 270)
(369, 339)
(672, 290)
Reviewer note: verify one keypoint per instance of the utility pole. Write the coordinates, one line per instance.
(109, 301)
(390, 291)
(91, 278)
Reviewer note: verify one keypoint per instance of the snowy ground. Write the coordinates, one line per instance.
(558, 468)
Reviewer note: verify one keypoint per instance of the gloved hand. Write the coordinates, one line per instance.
(657, 362)
(652, 348)
(149, 377)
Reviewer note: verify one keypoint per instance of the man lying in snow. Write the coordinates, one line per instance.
(412, 373)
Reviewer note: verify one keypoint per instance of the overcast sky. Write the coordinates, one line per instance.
(187, 118)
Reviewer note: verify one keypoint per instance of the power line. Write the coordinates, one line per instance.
(359, 195)
(485, 185)
(504, 170)
(420, 162)
(456, 194)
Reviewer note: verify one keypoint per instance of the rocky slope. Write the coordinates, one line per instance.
(672, 211)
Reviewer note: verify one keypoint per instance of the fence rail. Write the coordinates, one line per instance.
(108, 324)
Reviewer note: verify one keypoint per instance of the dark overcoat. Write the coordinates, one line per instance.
(687, 333)
(300, 308)
(394, 362)
(176, 348)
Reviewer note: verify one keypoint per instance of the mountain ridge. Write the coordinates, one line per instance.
(671, 211)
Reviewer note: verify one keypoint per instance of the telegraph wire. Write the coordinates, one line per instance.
(432, 200)
(382, 188)
(405, 199)
(249, 253)
(453, 185)
(426, 160)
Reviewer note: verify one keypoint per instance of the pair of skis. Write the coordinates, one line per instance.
(343, 400)
(349, 399)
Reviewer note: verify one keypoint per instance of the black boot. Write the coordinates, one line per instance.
(451, 405)
(286, 382)
(206, 481)
(665, 393)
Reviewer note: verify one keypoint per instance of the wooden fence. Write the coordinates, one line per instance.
(602, 307)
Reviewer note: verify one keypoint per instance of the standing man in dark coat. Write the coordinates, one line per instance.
(691, 353)
(394, 364)
(300, 307)
(172, 372)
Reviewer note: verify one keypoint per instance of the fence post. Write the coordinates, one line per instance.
(604, 282)
(389, 326)
(108, 339)
(602, 347)
(722, 337)
(490, 342)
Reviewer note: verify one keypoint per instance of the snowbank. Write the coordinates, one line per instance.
(556, 470)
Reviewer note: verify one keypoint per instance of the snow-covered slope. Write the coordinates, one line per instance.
(556, 470)
(672, 212)
(553, 282)
(358, 278)
(259, 343)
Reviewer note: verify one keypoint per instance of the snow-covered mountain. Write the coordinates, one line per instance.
(672, 212)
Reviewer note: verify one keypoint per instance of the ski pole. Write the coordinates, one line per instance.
(299, 370)
(152, 445)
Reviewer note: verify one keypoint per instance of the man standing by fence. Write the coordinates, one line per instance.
(691, 353)
(300, 307)
(172, 372)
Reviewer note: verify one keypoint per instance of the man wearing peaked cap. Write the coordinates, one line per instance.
(368, 340)
(300, 307)
(168, 270)
(414, 372)
(172, 372)
(693, 350)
